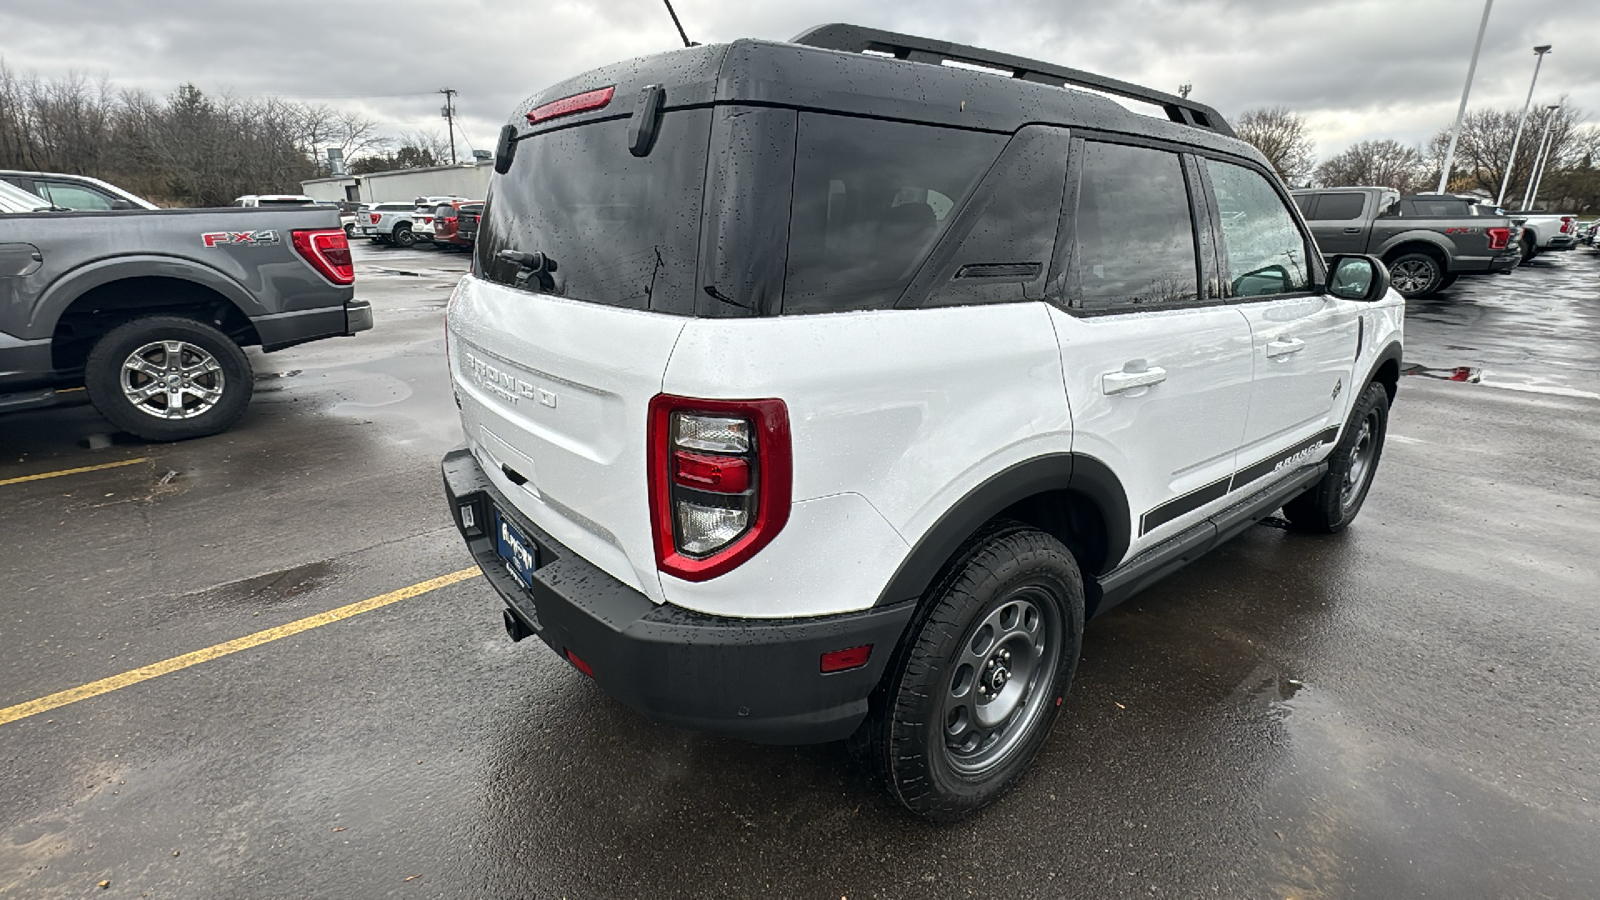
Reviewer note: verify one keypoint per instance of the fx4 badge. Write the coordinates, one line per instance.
(247, 238)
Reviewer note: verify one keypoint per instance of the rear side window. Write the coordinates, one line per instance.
(1339, 206)
(1134, 243)
(619, 229)
(1305, 201)
(870, 200)
(70, 196)
(1435, 209)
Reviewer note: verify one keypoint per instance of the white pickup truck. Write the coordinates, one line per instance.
(388, 223)
(1544, 231)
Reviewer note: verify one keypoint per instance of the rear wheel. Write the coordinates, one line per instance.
(1447, 281)
(403, 236)
(168, 378)
(1529, 248)
(980, 677)
(1416, 274)
(1332, 504)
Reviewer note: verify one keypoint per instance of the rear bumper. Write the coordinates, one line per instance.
(752, 679)
(357, 316)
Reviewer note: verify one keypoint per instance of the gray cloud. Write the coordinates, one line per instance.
(1358, 68)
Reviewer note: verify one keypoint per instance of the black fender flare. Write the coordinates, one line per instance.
(1392, 352)
(66, 289)
(1076, 472)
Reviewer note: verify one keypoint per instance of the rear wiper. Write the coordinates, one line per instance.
(535, 267)
(711, 290)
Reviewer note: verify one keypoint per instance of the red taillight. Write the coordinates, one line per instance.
(328, 252)
(1498, 237)
(375, 217)
(567, 106)
(449, 220)
(1566, 224)
(719, 481)
(840, 660)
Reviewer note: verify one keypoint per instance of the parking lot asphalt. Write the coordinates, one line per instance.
(1408, 709)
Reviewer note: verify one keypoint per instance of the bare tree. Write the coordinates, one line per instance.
(1485, 144)
(1385, 163)
(1282, 137)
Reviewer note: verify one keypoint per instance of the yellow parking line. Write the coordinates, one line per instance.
(57, 474)
(154, 670)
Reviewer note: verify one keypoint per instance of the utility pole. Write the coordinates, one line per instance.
(1455, 134)
(448, 112)
(1543, 159)
(1511, 160)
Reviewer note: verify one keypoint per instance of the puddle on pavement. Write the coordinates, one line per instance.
(1466, 374)
(273, 587)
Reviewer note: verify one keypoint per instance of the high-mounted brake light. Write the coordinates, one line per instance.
(328, 252)
(1498, 237)
(566, 106)
(719, 479)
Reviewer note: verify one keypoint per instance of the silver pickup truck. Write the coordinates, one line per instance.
(149, 309)
(1426, 240)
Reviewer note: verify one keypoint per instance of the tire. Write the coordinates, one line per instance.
(403, 236)
(1333, 502)
(216, 386)
(1004, 580)
(1529, 248)
(349, 231)
(1448, 280)
(1416, 274)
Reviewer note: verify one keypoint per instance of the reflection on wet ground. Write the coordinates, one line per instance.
(1407, 709)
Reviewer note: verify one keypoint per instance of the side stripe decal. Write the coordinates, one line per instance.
(1220, 488)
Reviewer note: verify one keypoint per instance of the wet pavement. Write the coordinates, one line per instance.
(1409, 709)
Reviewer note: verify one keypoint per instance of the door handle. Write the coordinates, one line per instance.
(1352, 231)
(1285, 346)
(1117, 382)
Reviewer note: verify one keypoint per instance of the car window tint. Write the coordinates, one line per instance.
(620, 230)
(870, 200)
(1134, 244)
(1304, 201)
(70, 196)
(1266, 253)
(1340, 206)
(1436, 209)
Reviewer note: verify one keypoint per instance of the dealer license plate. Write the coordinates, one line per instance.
(520, 554)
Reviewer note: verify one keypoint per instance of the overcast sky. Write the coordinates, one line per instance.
(1356, 68)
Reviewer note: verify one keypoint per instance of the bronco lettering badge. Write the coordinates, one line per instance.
(245, 238)
(504, 385)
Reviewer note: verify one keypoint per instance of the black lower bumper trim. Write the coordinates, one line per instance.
(753, 679)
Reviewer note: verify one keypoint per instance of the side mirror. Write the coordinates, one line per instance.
(1357, 277)
(121, 204)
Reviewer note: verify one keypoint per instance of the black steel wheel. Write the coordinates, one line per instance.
(1333, 502)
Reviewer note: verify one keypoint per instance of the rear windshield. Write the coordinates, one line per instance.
(288, 202)
(870, 200)
(619, 229)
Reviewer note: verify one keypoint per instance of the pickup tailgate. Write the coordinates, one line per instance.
(553, 399)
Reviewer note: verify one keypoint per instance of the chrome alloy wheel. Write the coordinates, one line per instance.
(1361, 460)
(1000, 681)
(1412, 276)
(172, 380)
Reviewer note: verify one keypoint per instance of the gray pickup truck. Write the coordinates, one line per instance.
(149, 309)
(1427, 241)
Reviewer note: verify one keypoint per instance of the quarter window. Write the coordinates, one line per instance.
(1134, 244)
(1266, 253)
(1340, 206)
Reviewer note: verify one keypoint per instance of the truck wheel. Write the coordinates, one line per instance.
(1447, 281)
(1333, 502)
(1530, 249)
(403, 236)
(1415, 274)
(979, 678)
(168, 378)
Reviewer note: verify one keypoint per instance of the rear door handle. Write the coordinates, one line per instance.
(1285, 346)
(1117, 382)
(1352, 231)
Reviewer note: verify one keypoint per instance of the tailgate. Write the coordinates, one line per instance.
(553, 399)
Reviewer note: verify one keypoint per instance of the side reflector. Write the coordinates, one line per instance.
(841, 660)
(580, 664)
(566, 106)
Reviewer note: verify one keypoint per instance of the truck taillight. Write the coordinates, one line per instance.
(1498, 237)
(375, 217)
(1566, 224)
(719, 481)
(328, 252)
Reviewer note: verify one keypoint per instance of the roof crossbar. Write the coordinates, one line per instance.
(859, 39)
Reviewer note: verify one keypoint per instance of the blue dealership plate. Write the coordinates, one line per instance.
(520, 554)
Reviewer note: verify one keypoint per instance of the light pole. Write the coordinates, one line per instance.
(1544, 157)
(1511, 160)
(1455, 134)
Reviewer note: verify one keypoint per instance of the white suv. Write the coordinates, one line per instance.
(797, 412)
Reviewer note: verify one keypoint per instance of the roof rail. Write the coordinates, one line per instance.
(858, 39)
